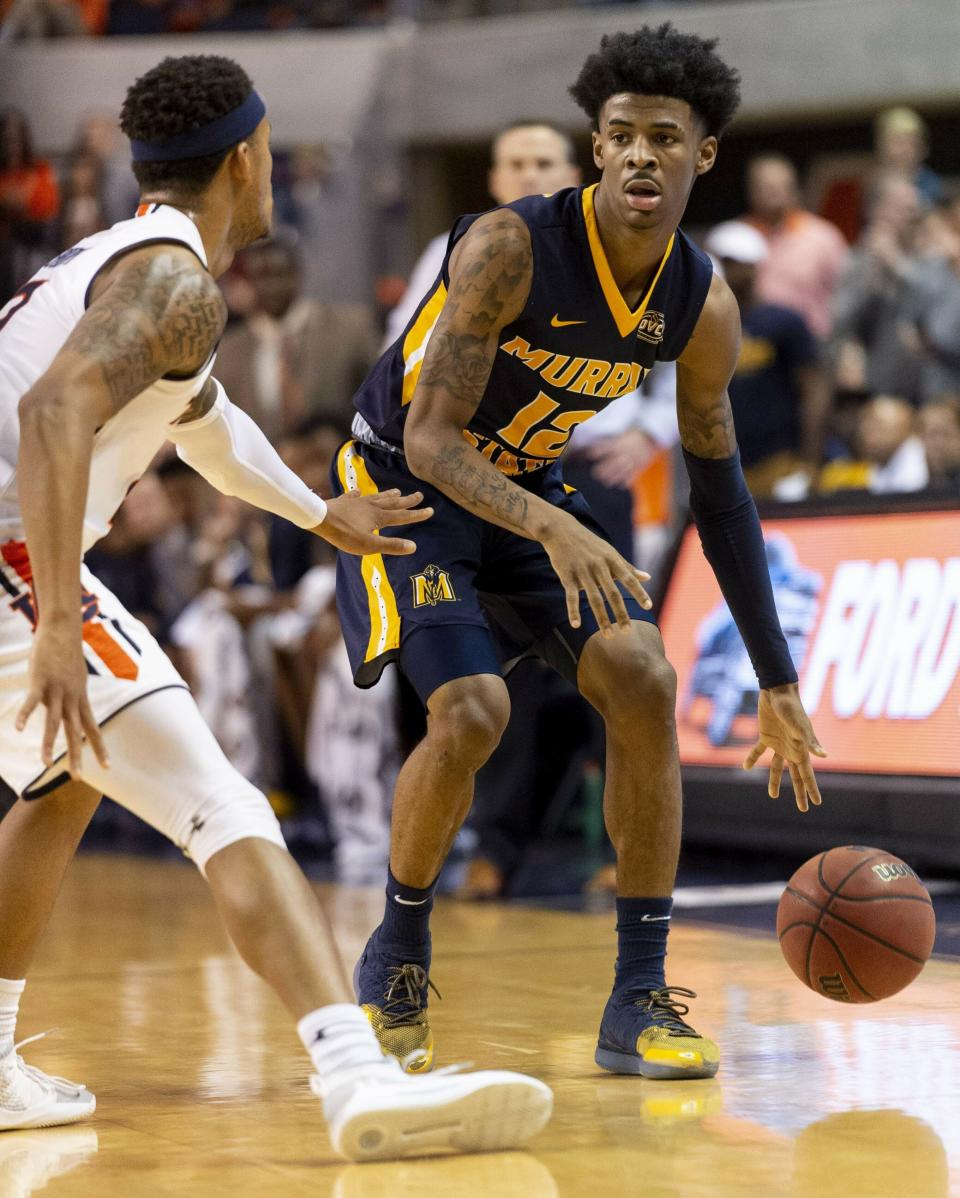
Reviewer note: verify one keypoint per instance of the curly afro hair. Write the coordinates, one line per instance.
(660, 62)
(176, 96)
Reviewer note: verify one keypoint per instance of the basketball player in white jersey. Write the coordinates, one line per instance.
(104, 354)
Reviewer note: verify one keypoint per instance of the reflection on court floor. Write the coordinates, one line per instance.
(202, 1089)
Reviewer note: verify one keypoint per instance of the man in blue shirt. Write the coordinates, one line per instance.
(779, 392)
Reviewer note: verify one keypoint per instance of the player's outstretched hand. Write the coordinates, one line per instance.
(352, 521)
(58, 680)
(785, 728)
(585, 562)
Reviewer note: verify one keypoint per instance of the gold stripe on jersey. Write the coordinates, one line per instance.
(415, 342)
(627, 321)
(381, 601)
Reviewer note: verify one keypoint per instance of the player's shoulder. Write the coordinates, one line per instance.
(688, 252)
(715, 340)
(552, 210)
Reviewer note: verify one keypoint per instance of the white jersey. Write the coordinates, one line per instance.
(33, 327)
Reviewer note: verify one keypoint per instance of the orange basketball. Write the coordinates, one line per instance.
(856, 924)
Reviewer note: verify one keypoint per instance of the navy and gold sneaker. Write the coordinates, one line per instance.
(393, 995)
(643, 1032)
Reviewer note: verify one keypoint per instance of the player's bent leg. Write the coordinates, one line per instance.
(629, 681)
(633, 687)
(465, 720)
(168, 768)
(37, 842)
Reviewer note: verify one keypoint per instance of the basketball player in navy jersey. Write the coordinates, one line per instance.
(546, 310)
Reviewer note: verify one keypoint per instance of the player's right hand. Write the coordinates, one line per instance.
(352, 521)
(585, 562)
(58, 680)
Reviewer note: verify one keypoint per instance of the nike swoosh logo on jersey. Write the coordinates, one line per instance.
(557, 323)
(652, 918)
(409, 902)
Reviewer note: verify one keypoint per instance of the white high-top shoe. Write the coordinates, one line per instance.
(31, 1098)
(378, 1112)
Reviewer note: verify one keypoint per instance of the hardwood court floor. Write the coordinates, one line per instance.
(201, 1083)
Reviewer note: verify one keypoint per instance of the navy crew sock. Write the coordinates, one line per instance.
(642, 928)
(406, 919)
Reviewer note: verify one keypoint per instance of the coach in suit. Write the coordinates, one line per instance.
(293, 357)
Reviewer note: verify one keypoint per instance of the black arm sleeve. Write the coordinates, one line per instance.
(732, 541)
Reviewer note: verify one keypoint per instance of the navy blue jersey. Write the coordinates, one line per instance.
(575, 346)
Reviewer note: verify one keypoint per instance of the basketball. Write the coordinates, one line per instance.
(856, 924)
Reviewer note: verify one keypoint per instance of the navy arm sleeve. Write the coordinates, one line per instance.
(732, 541)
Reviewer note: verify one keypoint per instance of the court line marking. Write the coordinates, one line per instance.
(757, 893)
(528, 1052)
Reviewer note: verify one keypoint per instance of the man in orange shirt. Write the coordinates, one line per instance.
(805, 253)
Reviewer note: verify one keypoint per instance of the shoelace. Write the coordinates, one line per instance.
(666, 1011)
(38, 1075)
(402, 998)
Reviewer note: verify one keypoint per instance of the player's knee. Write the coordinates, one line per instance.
(468, 720)
(638, 687)
(237, 811)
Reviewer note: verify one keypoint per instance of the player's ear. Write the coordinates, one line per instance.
(241, 162)
(597, 150)
(706, 155)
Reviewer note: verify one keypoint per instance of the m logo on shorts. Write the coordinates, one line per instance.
(431, 587)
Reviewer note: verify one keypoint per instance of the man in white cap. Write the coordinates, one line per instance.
(780, 394)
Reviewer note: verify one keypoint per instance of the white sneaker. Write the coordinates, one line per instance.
(378, 1112)
(31, 1098)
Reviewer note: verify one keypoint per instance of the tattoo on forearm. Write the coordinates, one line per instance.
(708, 432)
(160, 316)
(488, 289)
(486, 487)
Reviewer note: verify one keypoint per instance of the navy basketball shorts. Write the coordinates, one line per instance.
(473, 598)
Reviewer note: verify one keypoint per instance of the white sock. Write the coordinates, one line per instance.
(10, 992)
(339, 1037)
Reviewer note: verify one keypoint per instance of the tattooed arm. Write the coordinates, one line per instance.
(490, 275)
(732, 541)
(155, 312)
(704, 371)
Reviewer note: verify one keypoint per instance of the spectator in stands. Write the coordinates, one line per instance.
(293, 357)
(939, 423)
(98, 136)
(29, 203)
(900, 148)
(891, 456)
(48, 18)
(902, 143)
(806, 254)
(780, 393)
(81, 212)
(931, 324)
(179, 555)
(308, 450)
(526, 158)
(939, 232)
(124, 559)
(871, 297)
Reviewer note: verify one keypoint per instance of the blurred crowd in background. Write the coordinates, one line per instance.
(848, 382)
(95, 18)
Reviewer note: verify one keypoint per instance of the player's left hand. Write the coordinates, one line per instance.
(785, 727)
(352, 521)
